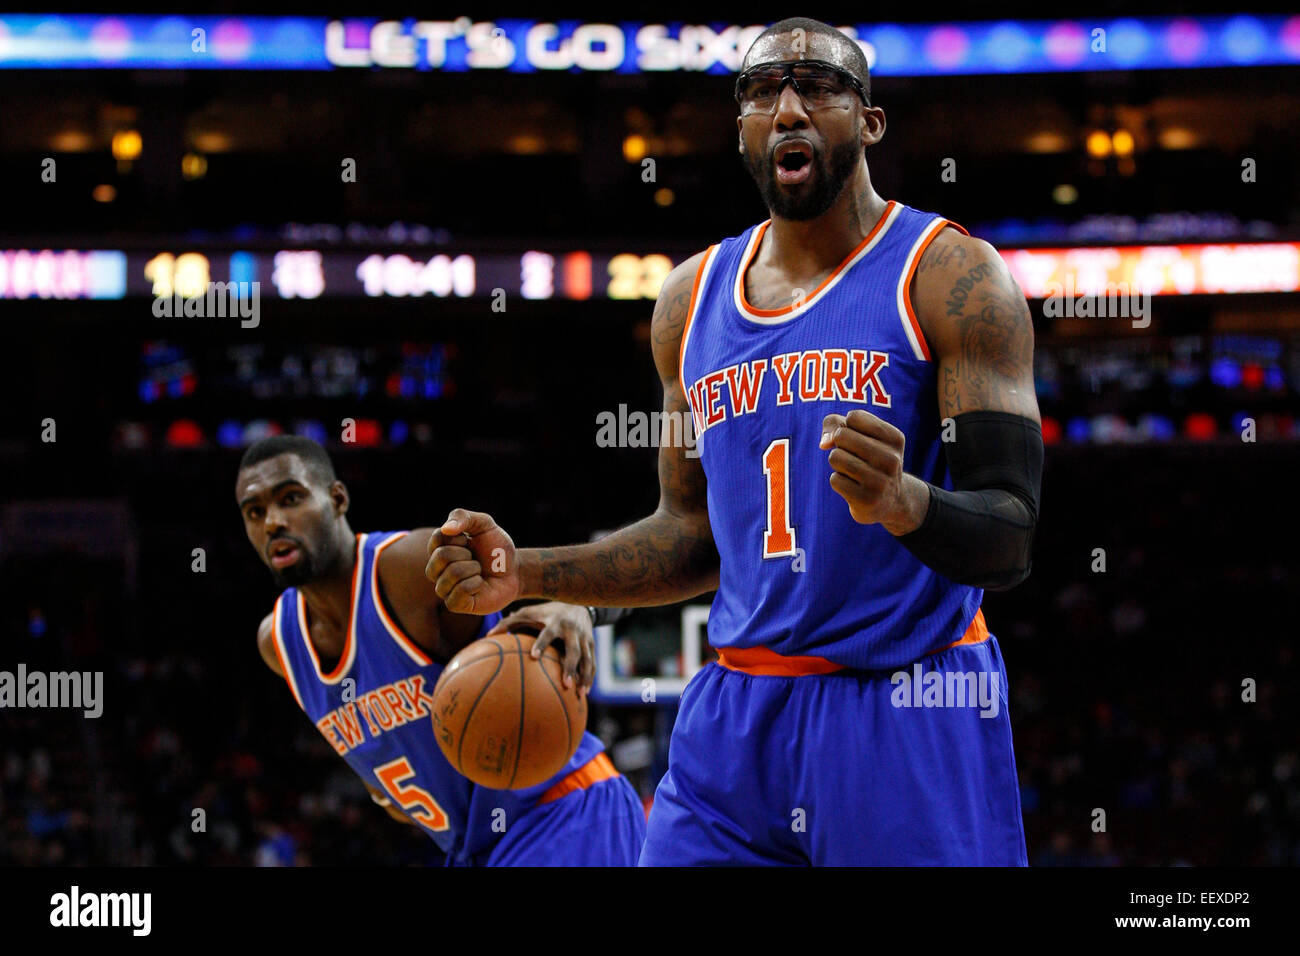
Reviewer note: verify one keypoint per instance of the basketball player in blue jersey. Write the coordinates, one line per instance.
(360, 637)
(859, 374)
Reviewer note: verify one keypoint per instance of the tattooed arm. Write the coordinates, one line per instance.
(666, 557)
(977, 323)
(980, 334)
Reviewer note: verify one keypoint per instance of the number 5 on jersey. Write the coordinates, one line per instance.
(391, 776)
(778, 538)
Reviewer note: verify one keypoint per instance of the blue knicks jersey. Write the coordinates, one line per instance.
(798, 575)
(383, 729)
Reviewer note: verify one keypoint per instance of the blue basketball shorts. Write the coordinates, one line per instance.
(600, 825)
(851, 768)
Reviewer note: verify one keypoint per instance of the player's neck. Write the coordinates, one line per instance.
(809, 246)
(329, 600)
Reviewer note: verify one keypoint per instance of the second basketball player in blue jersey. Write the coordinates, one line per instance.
(361, 640)
(868, 458)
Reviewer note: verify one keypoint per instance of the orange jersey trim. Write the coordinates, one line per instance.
(786, 310)
(977, 632)
(276, 638)
(937, 228)
(395, 631)
(690, 315)
(764, 662)
(598, 768)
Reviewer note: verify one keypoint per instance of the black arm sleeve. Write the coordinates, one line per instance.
(982, 533)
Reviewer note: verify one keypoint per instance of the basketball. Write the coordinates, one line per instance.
(504, 720)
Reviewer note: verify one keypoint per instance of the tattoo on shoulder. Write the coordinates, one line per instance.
(961, 290)
(948, 256)
(995, 357)
(670, 312)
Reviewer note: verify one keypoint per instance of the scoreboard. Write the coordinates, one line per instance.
(314, 274)
(296, 273)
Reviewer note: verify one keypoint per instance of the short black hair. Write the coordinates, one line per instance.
(310, 452)
(854, 59)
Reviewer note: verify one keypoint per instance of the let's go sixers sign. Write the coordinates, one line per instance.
(526, 46)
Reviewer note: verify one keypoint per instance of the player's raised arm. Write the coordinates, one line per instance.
(977, 322)
(666, 557)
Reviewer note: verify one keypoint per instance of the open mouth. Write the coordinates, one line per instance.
(283, 553)
(793, 161)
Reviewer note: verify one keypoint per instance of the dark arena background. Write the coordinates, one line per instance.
(456, 317)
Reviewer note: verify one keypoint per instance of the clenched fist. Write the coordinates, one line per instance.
(866, 459)
(473, 564)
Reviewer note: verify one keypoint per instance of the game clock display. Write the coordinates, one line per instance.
(312, 274)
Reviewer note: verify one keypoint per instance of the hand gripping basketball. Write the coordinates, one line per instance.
(473, 564)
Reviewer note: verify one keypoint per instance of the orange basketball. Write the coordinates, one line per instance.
(503, 719)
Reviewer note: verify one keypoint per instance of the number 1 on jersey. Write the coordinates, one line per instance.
(778, 538)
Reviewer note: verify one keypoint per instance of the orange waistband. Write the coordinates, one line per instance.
(764, 662)
(977, 632)
(598, 768)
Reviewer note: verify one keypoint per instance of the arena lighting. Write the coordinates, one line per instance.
(1200, 426)
(634, 148)
(133, 42)
(1065, 194)
(126, 145)
(1176, 137)
(1199, 269)
(212, 141)
(1207, 269)
(526, 144)
(194, 166)
(184, 433)
(71, 141)
(1098, 144)
(1047, 141)
(230, 434)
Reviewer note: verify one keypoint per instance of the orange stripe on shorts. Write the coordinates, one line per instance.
(598, 768)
